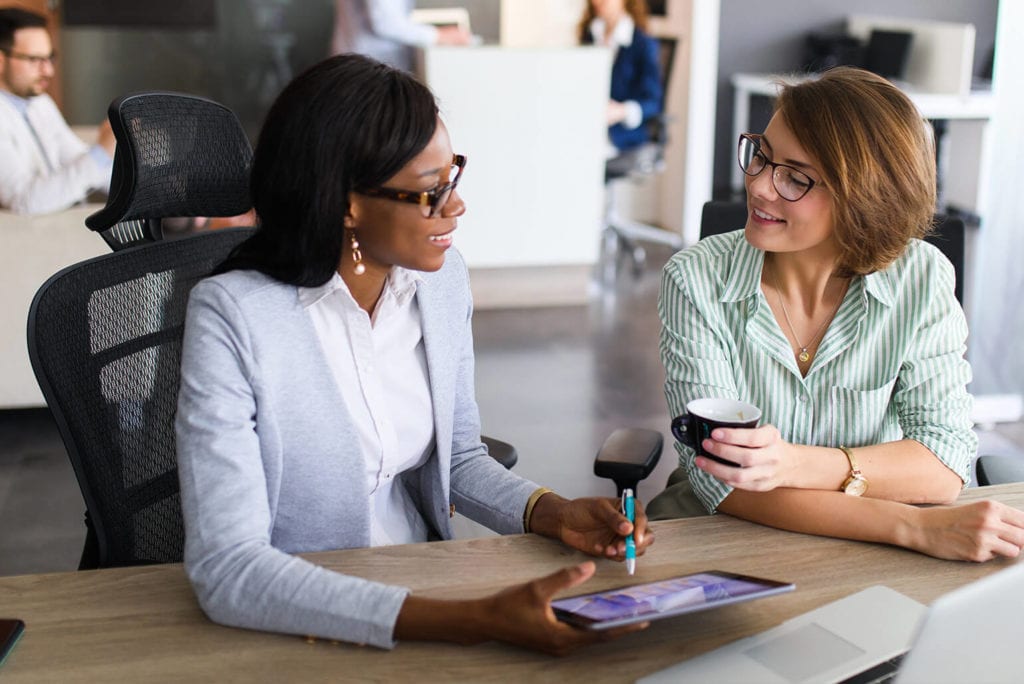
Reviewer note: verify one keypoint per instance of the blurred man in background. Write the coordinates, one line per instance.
(45, 167)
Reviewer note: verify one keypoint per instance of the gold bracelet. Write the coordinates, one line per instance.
(534, 498)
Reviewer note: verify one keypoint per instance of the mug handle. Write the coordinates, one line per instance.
(681, 429)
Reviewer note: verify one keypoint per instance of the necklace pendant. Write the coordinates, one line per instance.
(803, 356)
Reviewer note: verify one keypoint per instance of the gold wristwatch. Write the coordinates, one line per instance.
(856, 484)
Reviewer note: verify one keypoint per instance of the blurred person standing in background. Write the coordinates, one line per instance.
(636, 91)
(383, 29)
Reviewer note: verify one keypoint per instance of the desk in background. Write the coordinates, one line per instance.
(143, 624)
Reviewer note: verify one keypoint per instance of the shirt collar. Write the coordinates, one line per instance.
(401, 285)
(744, 278)
(622, 35)
(19, 103)
(881, 286)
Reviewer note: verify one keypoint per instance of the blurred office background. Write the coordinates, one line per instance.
(555, 375)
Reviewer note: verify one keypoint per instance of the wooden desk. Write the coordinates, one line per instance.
(143, 624)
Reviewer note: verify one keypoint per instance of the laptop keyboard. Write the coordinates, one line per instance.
(883, 672)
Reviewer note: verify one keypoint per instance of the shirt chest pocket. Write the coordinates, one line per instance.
(862, 417)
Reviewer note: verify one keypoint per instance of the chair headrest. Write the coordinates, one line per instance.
(176, 155)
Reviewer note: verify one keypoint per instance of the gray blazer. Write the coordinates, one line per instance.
(270, 465)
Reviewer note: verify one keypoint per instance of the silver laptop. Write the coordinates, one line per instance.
(973, 634)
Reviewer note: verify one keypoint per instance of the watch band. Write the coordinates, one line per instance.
(856, 484)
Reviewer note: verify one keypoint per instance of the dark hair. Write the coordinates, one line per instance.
(876, 159)
(13, 19)
(347, 123)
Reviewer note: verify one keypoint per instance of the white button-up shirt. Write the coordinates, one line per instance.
(380, 367)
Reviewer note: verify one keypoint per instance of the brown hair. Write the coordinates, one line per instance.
(876, 157)
(637, 9)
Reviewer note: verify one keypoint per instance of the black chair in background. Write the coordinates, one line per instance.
(622, 237)
(996, 469)
(105, 335)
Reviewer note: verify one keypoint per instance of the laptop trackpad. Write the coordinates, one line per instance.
(804, 652)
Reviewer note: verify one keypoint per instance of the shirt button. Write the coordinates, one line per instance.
(803, 398)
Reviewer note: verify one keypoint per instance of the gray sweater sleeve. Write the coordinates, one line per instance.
(239, 578)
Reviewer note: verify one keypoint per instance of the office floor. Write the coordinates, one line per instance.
(554, 382)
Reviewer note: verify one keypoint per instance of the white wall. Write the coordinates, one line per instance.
(997, 289)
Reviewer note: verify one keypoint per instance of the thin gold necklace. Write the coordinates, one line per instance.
(804, 356)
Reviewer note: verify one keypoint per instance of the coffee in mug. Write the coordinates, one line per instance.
(704, 415)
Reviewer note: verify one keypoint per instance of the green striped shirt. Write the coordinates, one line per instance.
(890, 366)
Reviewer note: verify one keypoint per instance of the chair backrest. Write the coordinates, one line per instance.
(666, 60)
(104, 339)
(176, 155)
(949, 233)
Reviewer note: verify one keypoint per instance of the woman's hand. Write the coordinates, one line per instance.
(519, 615)
(616, 112)
(977, 531)
(766, 460)
(522, 614)
(594, 525)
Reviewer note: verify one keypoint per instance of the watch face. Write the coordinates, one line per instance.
(855, 486)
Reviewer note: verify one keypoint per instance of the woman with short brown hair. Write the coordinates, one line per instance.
(830, 314)
(880, 171)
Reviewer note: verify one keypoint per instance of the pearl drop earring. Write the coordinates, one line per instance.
(357, 256)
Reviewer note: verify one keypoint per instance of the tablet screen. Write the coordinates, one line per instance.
(664, 598)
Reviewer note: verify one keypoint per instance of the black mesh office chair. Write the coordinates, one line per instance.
(104, 338)
(177, 155)
(622, 237)
(949, 235)
(105, 335)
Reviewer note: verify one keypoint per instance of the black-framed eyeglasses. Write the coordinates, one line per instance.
(431, 201)
(789, 182)
(34, 60)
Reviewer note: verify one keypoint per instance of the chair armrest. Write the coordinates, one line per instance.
(502, 452)
(628, 456)
(992, 470)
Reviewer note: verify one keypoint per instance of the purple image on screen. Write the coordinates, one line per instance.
(658, 597)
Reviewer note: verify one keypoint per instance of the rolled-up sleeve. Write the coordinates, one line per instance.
(931, 398)
(696, 365)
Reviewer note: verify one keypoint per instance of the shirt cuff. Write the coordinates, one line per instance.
(102, 159)
(634, 114)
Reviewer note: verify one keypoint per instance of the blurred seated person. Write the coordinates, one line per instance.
(383, 29)
(327, 396)
(44, 166)
(831, 314)
(636, 91)
(182, 225)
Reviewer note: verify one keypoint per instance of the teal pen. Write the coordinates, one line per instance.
(629, 508)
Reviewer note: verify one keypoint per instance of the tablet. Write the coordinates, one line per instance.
(664, 598)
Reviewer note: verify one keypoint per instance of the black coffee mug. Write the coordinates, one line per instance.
(704, 415)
